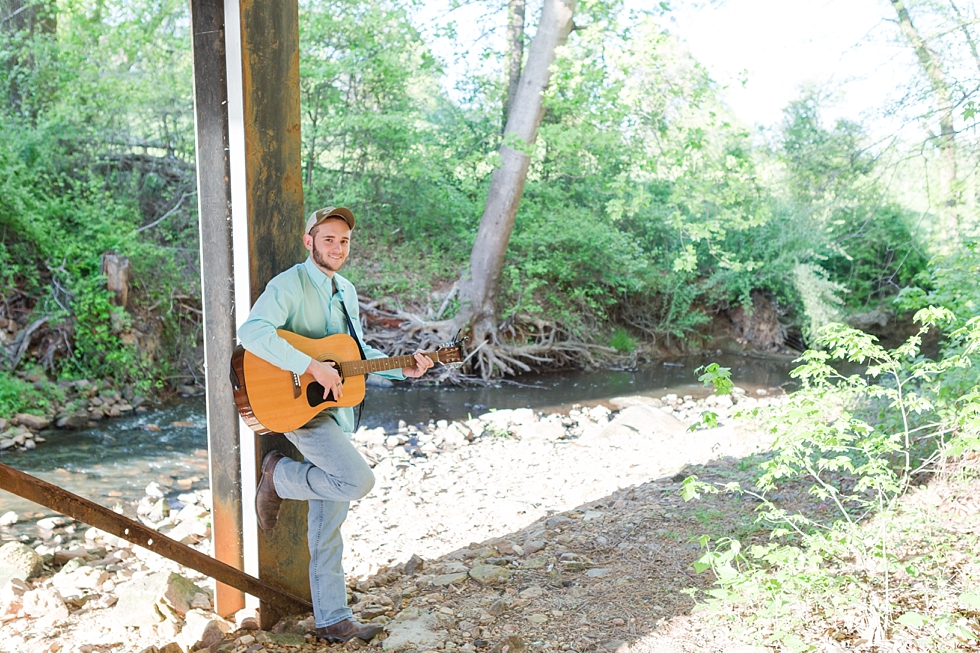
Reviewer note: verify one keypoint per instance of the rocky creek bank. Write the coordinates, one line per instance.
(71, 405)
(508, 532)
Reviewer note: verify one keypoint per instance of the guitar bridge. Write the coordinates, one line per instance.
(297, 386)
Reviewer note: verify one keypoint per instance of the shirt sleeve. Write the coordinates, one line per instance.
(258, 333)
(369, 352)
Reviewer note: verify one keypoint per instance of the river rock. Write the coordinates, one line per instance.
(449, 579)
(189, 532)
(12, 596)
(645, 420)
(457, 433)
(20, 561)
(33, 422)
(540, 431)
(508, 548)
(51, 523)
(533, 592)
(64, 555)
(412, 628)
(201, 601)
(489, 574)
(510, 644)
(413, 565)
(77, 420)
(537, 562)
(8, 518)
(247, 619)
(151, 599)
(45, 603)
(533, 546)
(202, 629)
(498, 420)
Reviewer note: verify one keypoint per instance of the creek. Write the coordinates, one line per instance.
(114, 462)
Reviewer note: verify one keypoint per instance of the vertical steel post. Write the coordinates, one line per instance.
(217, 274)
(267, 214)
(246, 74)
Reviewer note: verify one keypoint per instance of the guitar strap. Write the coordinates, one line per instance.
(353, 334)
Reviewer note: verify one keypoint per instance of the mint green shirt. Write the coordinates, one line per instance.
(302, 300)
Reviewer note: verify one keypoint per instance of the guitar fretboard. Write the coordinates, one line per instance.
(356, 368)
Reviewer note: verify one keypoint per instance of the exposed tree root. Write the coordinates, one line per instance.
(520, 344)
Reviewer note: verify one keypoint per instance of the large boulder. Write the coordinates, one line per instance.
(153, 599)
(20, 561)
(489, 574)
(46, 604)
(33, 422)
(645, 420)
(203, 629)
(412, 628)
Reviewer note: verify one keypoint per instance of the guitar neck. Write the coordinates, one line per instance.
(357, 368)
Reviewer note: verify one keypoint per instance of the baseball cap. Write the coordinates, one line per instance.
(320, 215)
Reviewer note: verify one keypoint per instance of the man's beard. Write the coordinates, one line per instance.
(322, 263)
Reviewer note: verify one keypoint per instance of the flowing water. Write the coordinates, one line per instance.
(114, 462)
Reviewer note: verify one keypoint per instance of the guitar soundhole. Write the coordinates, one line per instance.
(314, 395)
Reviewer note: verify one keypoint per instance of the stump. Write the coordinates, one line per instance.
(115, 268)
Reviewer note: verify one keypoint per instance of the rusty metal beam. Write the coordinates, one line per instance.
(88, 512)
(267, 203)
(217, 281)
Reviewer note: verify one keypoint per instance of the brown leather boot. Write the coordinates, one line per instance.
(348, 629)
(267, 502)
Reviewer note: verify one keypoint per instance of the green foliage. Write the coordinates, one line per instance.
(97, 117)
(950, 282)
(647, 207)
(867, 249)
(623, 342)
(19, 396)
(720, 379)
(819, 296)
(857, 441)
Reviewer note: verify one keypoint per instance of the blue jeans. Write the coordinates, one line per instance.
(333, 475)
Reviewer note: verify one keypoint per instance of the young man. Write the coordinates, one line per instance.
(310, 299)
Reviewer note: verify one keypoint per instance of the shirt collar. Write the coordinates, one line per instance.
(317, 275)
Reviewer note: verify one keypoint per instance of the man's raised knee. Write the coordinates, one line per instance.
(365, 486)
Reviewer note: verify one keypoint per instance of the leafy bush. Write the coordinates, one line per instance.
(19, 396)
(858, 442)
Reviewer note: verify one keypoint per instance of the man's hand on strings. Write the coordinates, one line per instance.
(422, 364)
(327, 376)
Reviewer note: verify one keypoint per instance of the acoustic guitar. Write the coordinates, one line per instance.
(273, 400)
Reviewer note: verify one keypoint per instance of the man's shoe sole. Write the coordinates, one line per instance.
(336, 639)
(264, 478)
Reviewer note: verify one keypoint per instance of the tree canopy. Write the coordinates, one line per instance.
(648, 210)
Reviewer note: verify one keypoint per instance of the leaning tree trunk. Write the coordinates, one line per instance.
(965, 23)
(932, 66)
(478, 285)
(515, 53)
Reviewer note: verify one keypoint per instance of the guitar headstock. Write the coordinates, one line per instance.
(451, 353)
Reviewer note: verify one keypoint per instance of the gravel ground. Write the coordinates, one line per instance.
(513, 531)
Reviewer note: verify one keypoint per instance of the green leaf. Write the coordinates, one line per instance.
(913, 620)
(970, 600)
